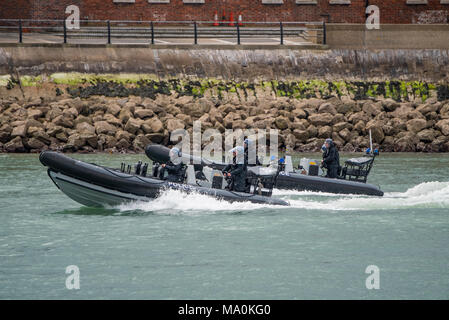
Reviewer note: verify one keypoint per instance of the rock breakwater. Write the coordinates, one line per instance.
(113, 116)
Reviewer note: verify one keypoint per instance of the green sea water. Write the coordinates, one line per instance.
(194, 247)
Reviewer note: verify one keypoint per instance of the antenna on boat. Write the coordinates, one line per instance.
(370, 142)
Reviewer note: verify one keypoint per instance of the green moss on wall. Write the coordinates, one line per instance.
(81, 84)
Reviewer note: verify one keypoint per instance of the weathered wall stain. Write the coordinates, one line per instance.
(228, 64)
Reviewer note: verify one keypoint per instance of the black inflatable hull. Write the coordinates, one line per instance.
(94, 185)
(290, 181)
(300, 182)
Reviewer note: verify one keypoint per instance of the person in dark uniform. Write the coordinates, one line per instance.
(251, 157)
(281, 164)
(331, 159)
(277, 164)
(174, 167)
(236, 171)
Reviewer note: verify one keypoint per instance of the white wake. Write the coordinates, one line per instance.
(424, 195)
(178, 202)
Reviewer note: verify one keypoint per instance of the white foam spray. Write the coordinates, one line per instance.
(424, 195)
(178, 202)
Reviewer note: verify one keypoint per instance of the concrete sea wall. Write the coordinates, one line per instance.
(389, 36)
(124, 116)
(229, 62)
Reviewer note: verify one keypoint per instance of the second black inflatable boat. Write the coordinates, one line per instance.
(96, 186)
(351, 181)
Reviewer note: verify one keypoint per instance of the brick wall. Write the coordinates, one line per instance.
(15, 9)
(392, 11)
(44, 9)
(396, 11)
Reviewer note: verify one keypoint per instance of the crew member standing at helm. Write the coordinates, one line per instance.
(237, 170)
(174, 167)
(331, 159)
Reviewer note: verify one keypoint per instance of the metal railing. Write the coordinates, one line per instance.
(162, 32)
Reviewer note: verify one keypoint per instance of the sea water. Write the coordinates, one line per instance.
(182, 246)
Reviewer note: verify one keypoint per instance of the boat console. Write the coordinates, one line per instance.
(355, 169)
(260, 180)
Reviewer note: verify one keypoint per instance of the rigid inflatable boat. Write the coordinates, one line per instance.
(97, 186)
(351, 181)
